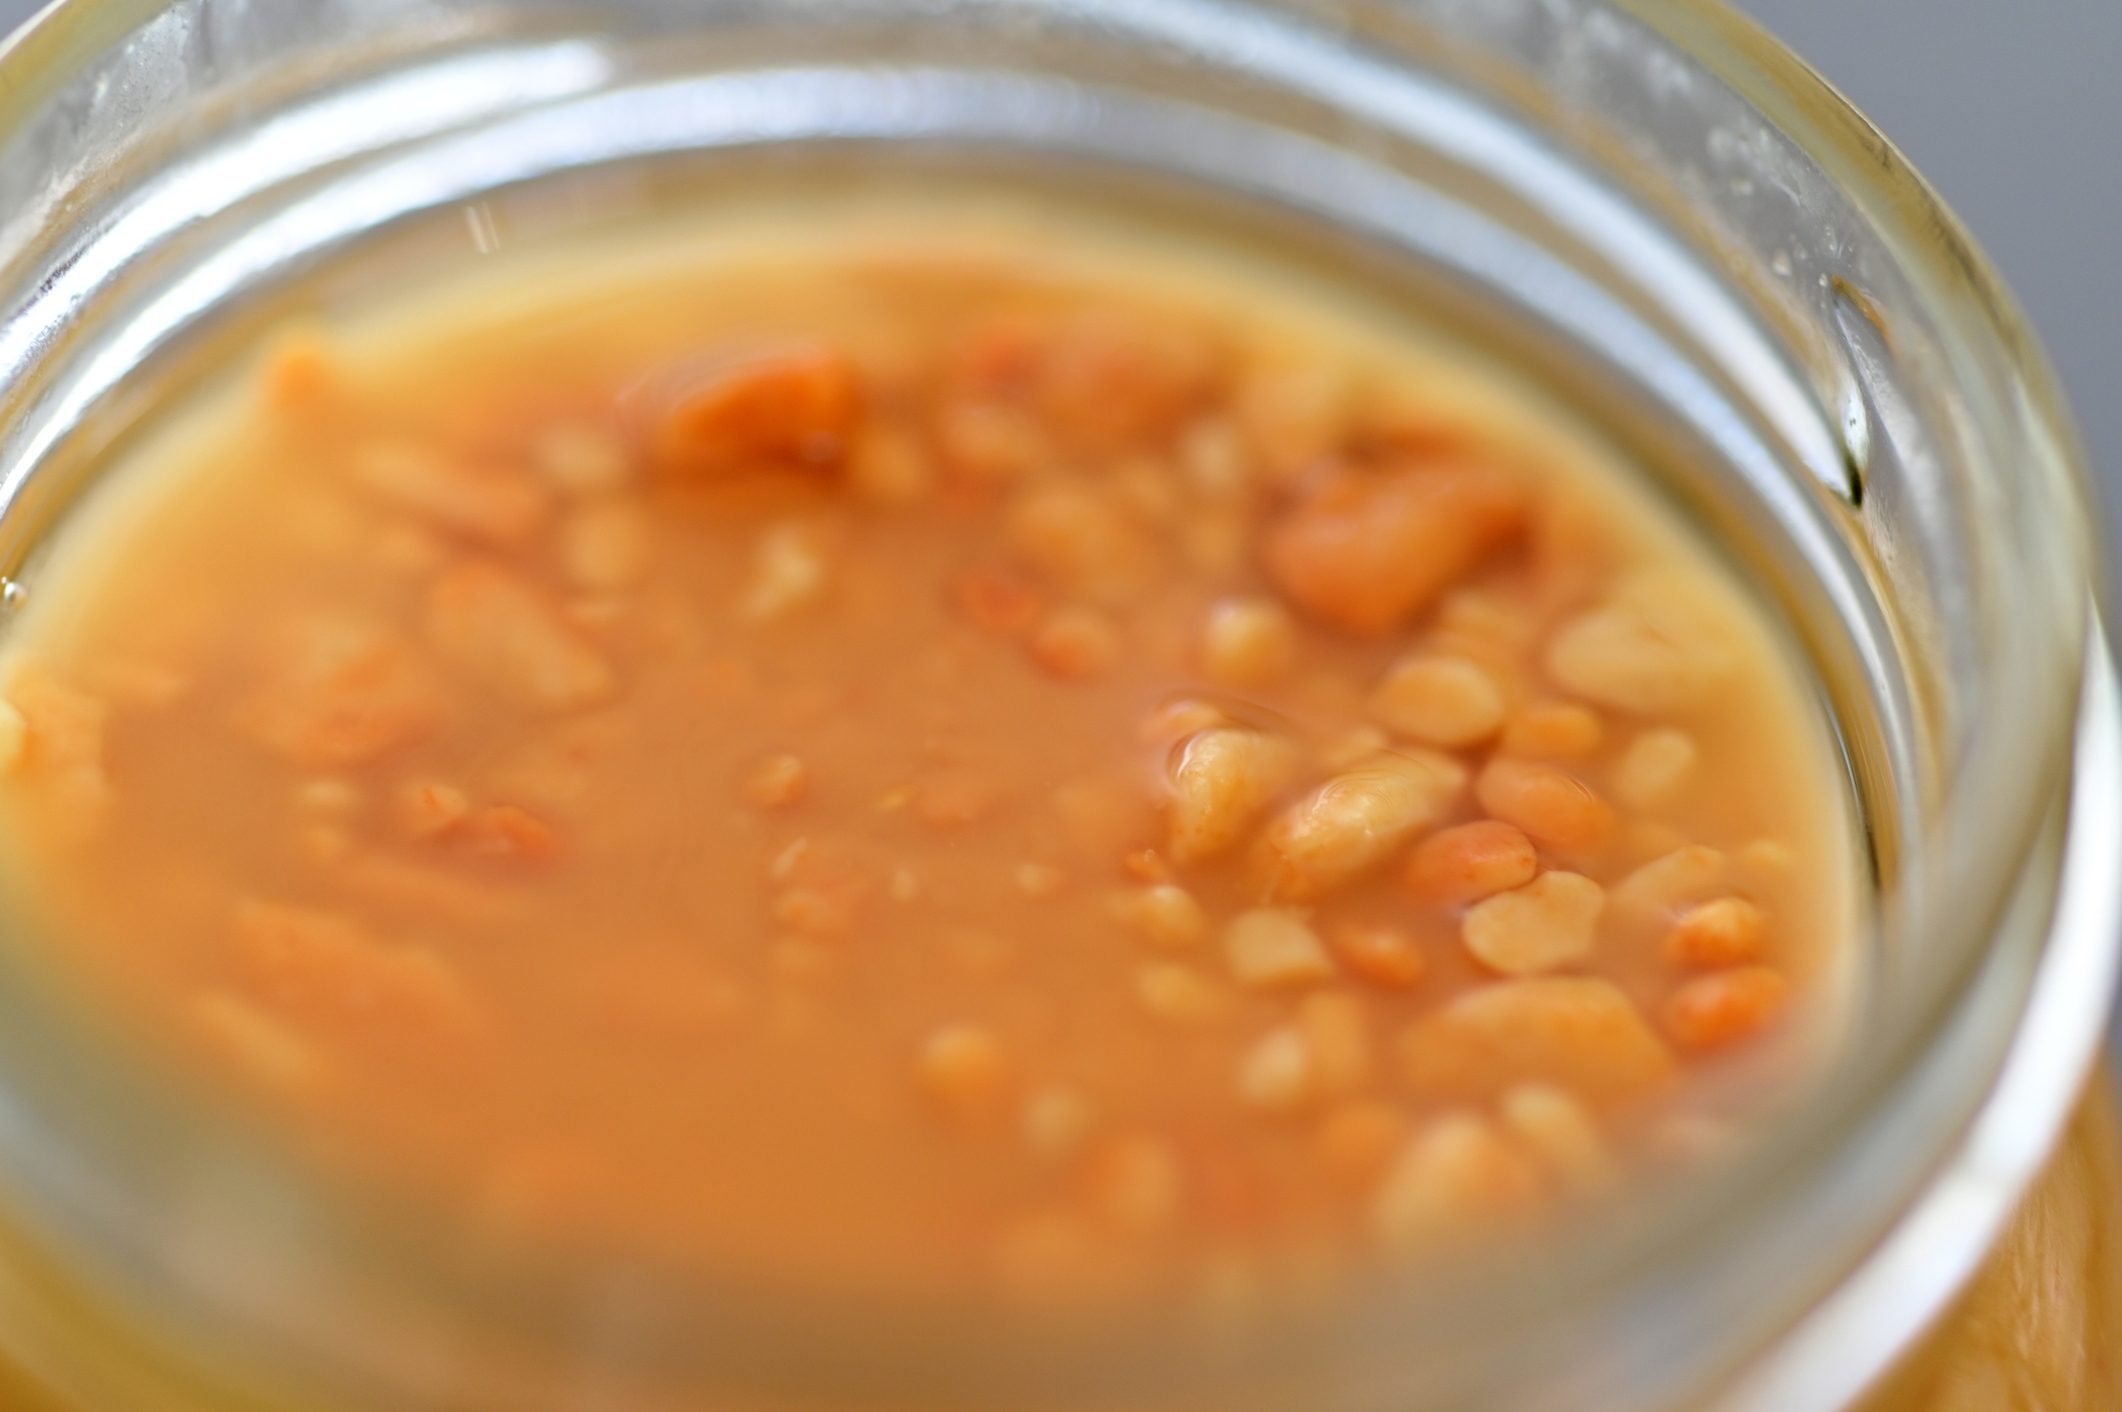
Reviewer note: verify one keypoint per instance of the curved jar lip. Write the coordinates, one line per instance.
(1995, 855)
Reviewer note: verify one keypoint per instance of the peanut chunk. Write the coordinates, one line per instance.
(1076, 644)
(1180, 994)
(1386, 957)
(339, 690)
(1726, 931)
(790, 570)
(1669, 884)
(1356, 821)
(1337, 1042)
(1465, 863)
(1164, 914)
(1650, 649)
(1655, 769)
(794, 407)
(1057, 1120)
(1561, 1132)
(1081, 542)
(1576, 1033)
(1726, 1008)
(1248, 642)
(777, 782)
(578, 459)
(1549, 923)
(1552, 806)
(603, 544)
(1456, 1171)
(1553, 730)
(1222, 781)
(1276, 1074)
(1366, 552)
(964, 1070)
(501, 631)
(480, 502)
(1275, 947)
(1437, 700)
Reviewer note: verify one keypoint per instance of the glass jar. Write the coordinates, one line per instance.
(1650, 206)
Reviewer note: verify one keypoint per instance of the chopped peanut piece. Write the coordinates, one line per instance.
(1365, 553)
(1728, 931)
(1179, 993)
(1647, 650)
(1274, 947)
(483, 502)
(1248, 642)
(603, 544)
(1135, 1182)
(1458, 1170)
(430, 810)
(1039, 879)
(338, 691)
(1577, 1033)
(1442, 701)
(777, 782)
(580, 460)
(1553, 730)
(1165, 914)
(997, 602)
(887, 467)
(1276, 1074)
(499, 630)
(1336, 1041)
(789, 572)
(1667, 885)
(1561, 1132)
(1553, 807)
(1076, 644)
(1383, 956)
(1655, 769)
(1222, 781)
(1057, 1120)
(964, 1071)
(1724, 1008)
(1356, 821)
(1358, 1137)
(1457, 866)
(1082, 543)
(1549, 923)
(792, 407)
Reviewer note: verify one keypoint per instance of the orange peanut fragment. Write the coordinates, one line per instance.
(1727, 931)
(1552, 806)
(790, 407)
(1468, 862)
(483, 502)
(964, 1070)
(1365, 552)
(1550, 922)
(1439, 700)
(1356, 821)
(500, 630)
(1726, 1008)
(1576, 1033)
(340, 690)
(1222, 781)
(1384, 956)
(1456, 1172)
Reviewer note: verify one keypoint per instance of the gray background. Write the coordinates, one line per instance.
(2013, 109)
